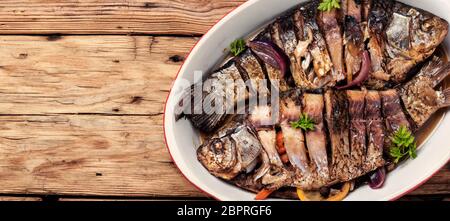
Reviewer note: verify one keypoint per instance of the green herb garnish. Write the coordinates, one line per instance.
(327, 5)
(305, 123)
(237, 47)
(403, 144)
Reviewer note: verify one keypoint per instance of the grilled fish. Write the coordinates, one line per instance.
(356, 125)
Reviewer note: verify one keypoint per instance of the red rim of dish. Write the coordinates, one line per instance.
(211, 195)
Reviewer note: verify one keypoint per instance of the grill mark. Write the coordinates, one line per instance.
(412, 123)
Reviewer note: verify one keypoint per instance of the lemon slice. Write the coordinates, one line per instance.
(316, 196)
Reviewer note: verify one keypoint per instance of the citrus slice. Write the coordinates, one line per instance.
(316, 196)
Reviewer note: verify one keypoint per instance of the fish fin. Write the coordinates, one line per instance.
(446, 94)
(265, 166)
(185, 102)
(440, 74)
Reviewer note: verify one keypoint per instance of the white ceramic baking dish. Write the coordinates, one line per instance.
(182, 139)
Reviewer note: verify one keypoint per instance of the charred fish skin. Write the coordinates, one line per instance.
(357, 133)
(321, 61)
(247, 182)
(253, 73)
(328, 22)
(379, 16)
(336, 105)
(208, 103)
(357, 125)
(316, 140)
(375, 132)
(393, 115)
(419, 95)
(284, 34)
(275, 33)
(302, 72)
(225, 157)
(366, 7)
(354, 37)
(412, 36)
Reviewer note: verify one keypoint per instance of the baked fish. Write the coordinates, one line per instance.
(351, 135)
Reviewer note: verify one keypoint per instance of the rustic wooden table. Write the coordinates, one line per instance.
(83, 85)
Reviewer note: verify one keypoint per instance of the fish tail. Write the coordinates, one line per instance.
(437, 70)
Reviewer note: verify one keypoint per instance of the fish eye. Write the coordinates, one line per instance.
(217, 146)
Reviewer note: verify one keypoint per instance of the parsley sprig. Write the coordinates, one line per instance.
(327, 5)
(305, 123)
(237, 47)
(403, 144)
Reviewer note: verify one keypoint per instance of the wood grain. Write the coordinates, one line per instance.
(19, 198)
(180, 17)
(88, 74)
(82, 116)
(88, 156)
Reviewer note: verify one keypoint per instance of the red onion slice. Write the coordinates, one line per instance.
(377, 178)
(271, 54)
(363, 73)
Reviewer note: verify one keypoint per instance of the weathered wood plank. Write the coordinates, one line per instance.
(186, 17)
(18, 198)
(60, 152)
(88, 74)
(88, 155)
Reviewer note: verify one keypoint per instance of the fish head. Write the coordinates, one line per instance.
(427, 31)
(413, 31)
(412, 35)
(219, 157)
(228, 156)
